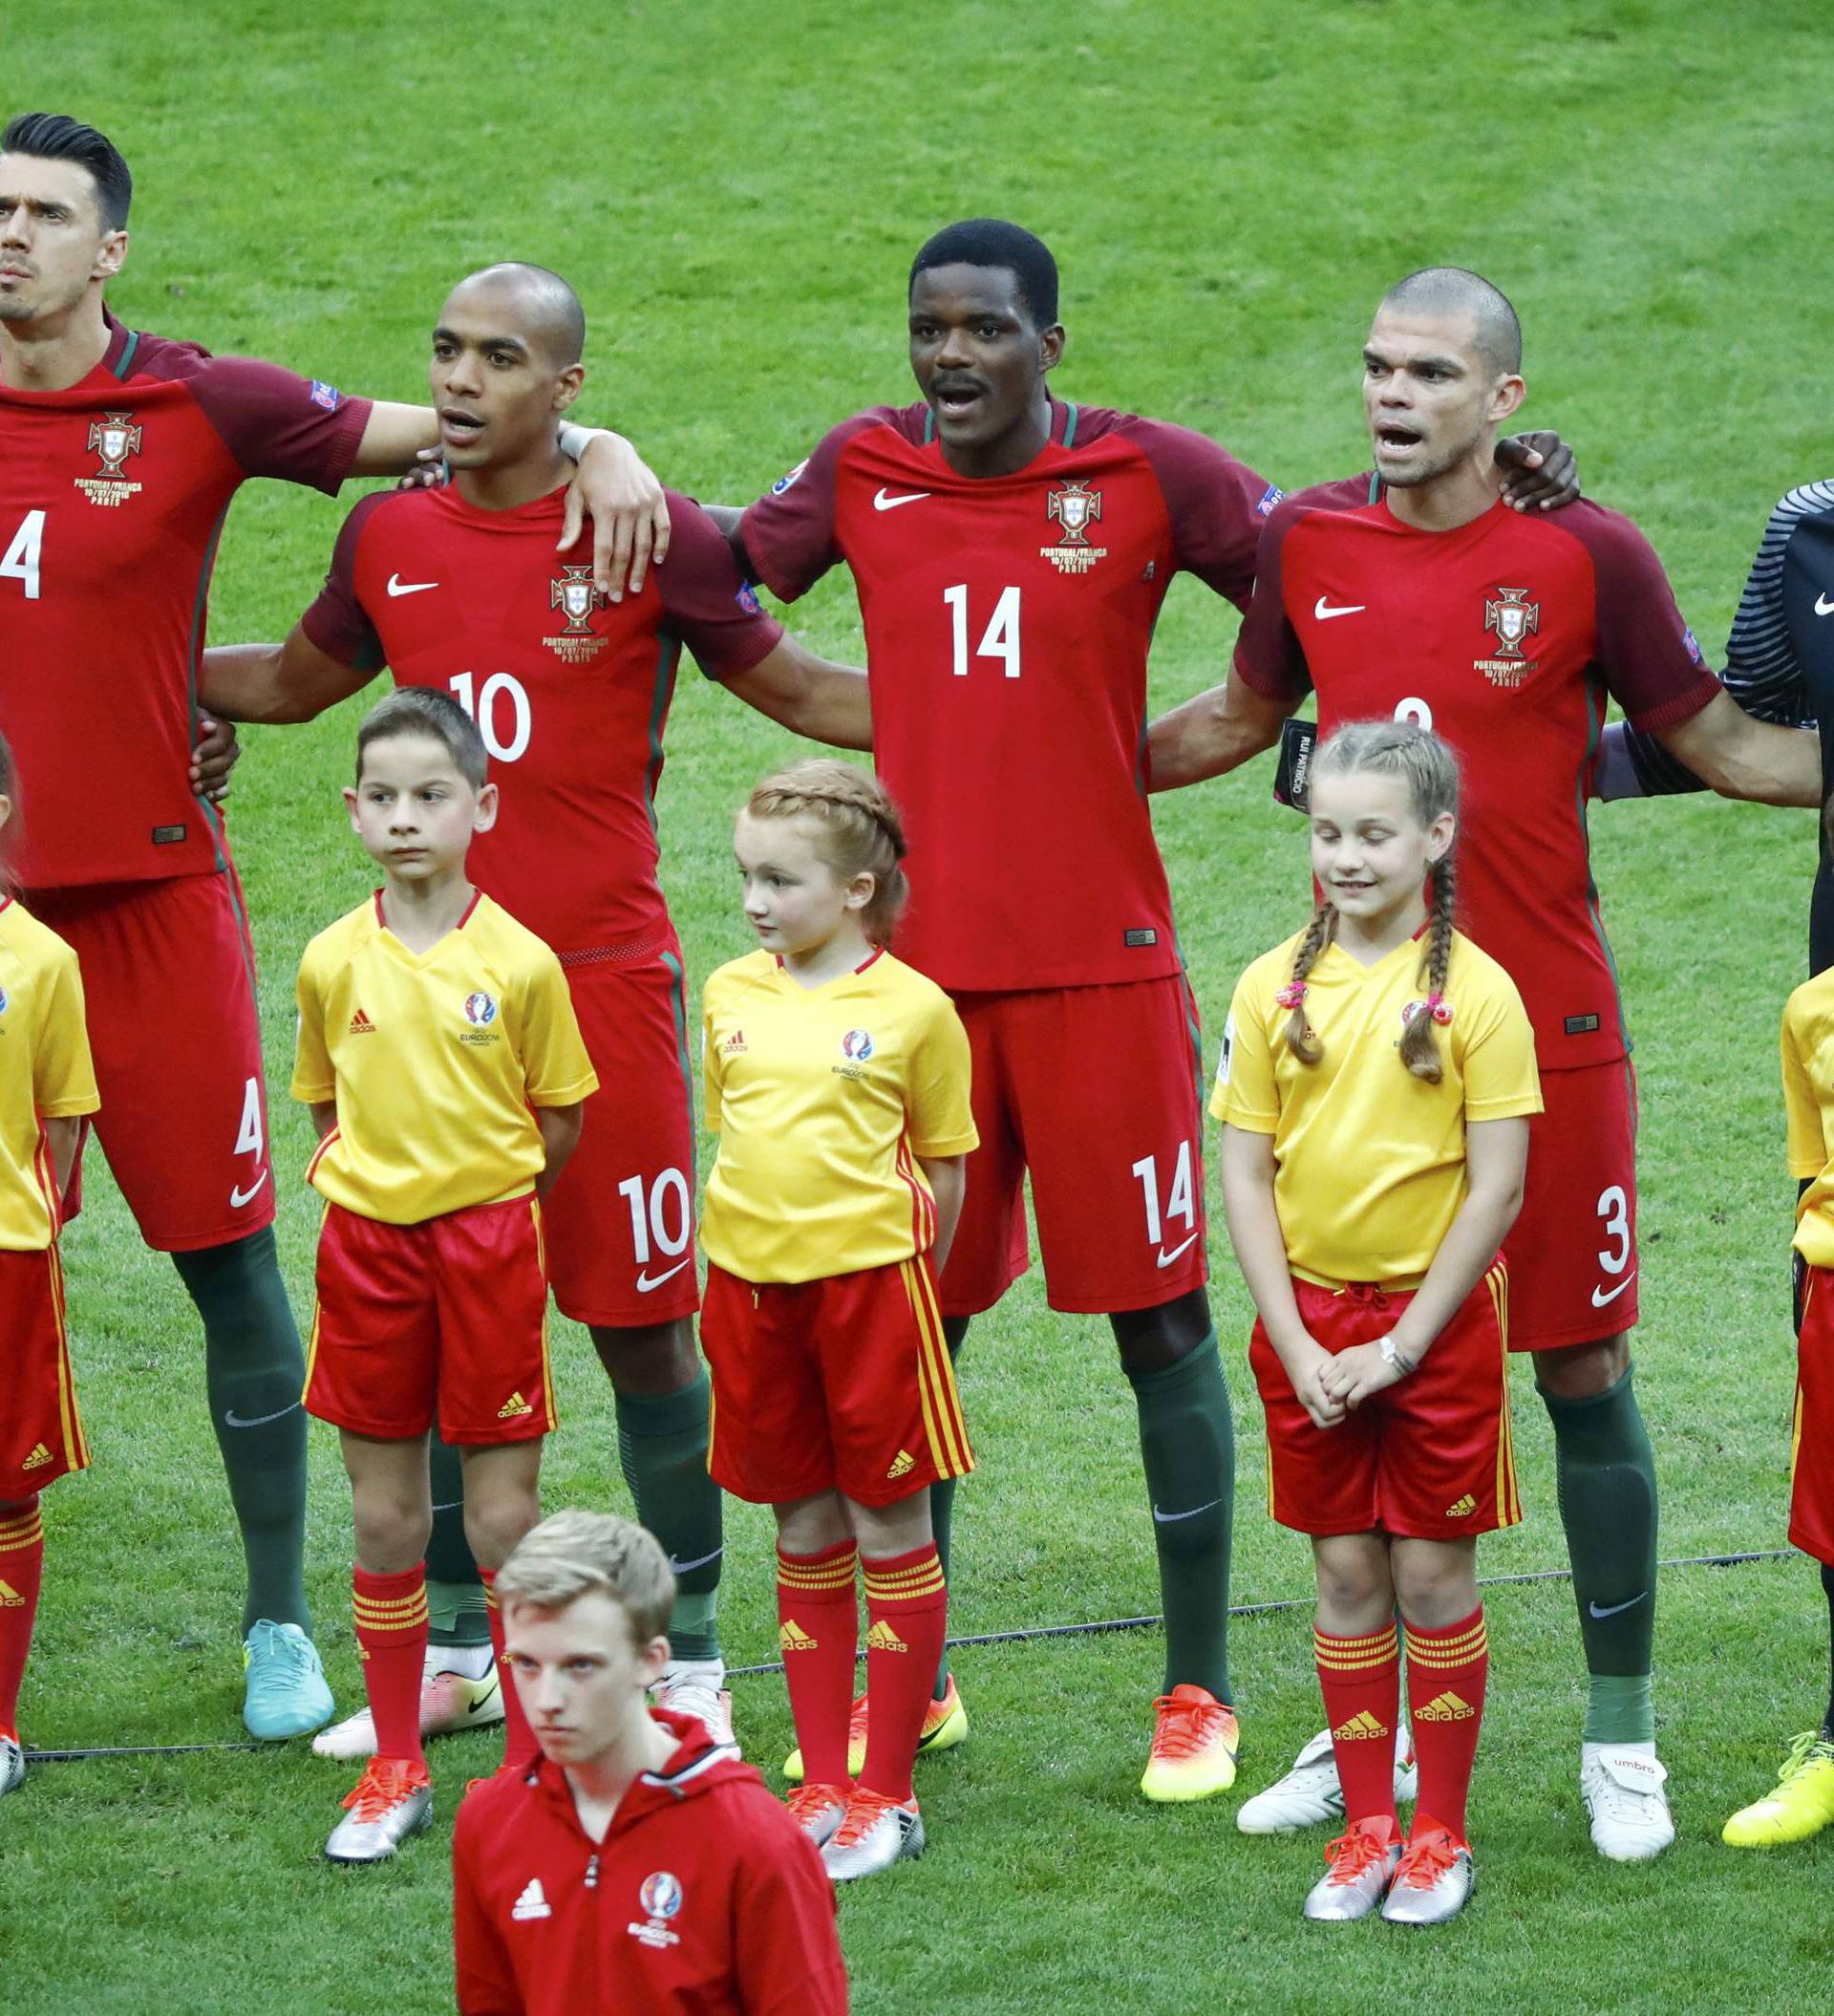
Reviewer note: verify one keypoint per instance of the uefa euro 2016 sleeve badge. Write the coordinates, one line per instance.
(1513, 619)
(115, 436)
(1076, 507)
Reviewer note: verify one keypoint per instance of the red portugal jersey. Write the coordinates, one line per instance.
(1505, 636)
(570, 698)
(1008, 621)
(111, 499)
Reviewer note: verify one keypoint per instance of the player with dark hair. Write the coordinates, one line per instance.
(119, 455)
(1010, 552)
(460, 590)
(1409, 593)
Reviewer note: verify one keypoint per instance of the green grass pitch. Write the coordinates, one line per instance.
(736, 191)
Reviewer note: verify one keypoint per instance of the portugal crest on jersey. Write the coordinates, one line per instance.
(115, 436)
(1512, 618)
(1076, 507)
(572, 593)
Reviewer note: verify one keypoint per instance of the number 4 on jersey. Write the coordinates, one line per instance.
(21, 555)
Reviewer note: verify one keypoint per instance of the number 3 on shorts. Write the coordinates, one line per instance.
(1614, 1215)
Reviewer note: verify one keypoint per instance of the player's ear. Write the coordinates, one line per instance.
(566, 387)
(1506, 394)
(485, 816)
(110, 256)
(1051, 342)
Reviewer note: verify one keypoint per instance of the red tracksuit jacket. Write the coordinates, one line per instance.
(705, 1898)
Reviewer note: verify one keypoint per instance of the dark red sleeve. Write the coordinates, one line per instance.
(487, 1982)
(300, 430)
(337, 623)
(705, 601)
(1268, 657)
(1652, 667)
(786, 1943)
(1218, 506)
(789, 532)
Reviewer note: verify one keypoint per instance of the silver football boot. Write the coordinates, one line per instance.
(1433, 1883)
(876, 1833)
(1363, 1859)
(12, 1765)
(391, 1800)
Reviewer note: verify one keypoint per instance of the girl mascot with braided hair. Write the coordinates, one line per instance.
(1377, 1075)
(837, 1079)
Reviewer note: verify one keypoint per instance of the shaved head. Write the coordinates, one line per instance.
(1453, 291)
(546, 311)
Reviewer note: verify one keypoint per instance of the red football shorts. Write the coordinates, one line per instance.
(1098, 1092)
(620, 1222)
(41, 1435)
(1572, 1249)
(840, 1384)
(1811, 1459)
(1428, 1459)
(448, 1316)
(169, 988)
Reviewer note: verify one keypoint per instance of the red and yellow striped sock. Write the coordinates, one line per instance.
(22, 1563)
(818, 1620)
(391, 1612)
(906, 1620)
(520, 1747)
(1447, 1672)
(1361, 1679)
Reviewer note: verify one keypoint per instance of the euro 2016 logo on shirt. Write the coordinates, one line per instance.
(856, 1046)
(1512, 618)
(480, 1009)
(660, 1895)
(788, 476)
(1076, 507)
(327, 396)
(115, 436)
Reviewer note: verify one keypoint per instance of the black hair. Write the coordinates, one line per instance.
(418, 710)
(552, 305)
(989, 241)
(1457, 288)
(56, 137)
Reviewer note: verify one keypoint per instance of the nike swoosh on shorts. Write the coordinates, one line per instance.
(647, 1282)
(1166, 1259)
(1599, 1300)
(238, 1196)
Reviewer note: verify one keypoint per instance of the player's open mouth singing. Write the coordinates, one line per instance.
(1397, 440)
(457, 425)
(956, 399)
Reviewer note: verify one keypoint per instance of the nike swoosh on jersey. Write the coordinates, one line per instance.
(1169, 1518)
(1824, 607)
(1599, 1300)
(647, 1282)
(1614, 1608)
(238, 1196)
(1323, 611)
(398, 587)
(1166, 1259)
(884, 500)
(232, 1419)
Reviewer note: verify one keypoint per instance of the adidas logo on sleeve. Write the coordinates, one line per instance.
(532, 1903)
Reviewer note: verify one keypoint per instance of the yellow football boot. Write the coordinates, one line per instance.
(944, 1726)
(1802, 1805)
(1194, 1745)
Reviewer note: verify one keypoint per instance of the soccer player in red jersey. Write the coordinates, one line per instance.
(1010, 552)
(637, 1867)
(1410, 593)
(461, 589)
(119, 455)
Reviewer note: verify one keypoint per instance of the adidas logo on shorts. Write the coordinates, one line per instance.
(792, 1637)
(1361, 1726)
(532, 1903)
(1446, 1707)
(361, 1024)
(39, 1457)
(900, 1463)
(882, 1637)
(1464, 1509)
(513, 1407)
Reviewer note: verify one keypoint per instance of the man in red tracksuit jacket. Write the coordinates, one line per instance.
(638, 1866)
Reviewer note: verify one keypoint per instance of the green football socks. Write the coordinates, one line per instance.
(942, 1498)
(1606, 1473)
(1187, 1440)
(458, 1611)
(254, 1374)
(662, 1448)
